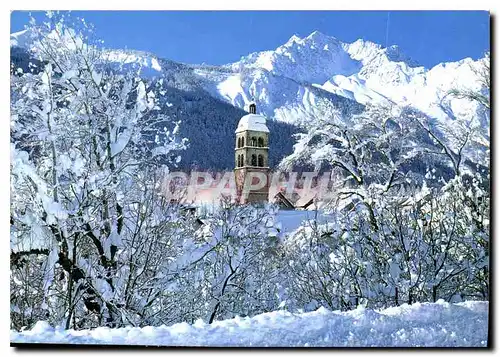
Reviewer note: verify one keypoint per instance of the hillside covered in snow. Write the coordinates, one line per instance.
(437, 324)
(288, 82)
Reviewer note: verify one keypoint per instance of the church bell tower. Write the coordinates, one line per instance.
(252, 156)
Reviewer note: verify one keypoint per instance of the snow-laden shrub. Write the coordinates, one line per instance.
(427, 247)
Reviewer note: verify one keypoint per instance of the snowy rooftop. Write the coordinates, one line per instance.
(254, 122)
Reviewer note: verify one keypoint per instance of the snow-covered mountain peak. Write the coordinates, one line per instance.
(314, 38)
(293, 39)
(148, 64)
(318, 37)
(316, 58)
(315, 35)
(313, 41)
(312, 59)
(366, 51)
(362, 50)
(288, 82)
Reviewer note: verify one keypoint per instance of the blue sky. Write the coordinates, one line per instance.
(218, 37)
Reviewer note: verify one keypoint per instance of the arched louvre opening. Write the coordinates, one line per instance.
(239, 142)
(261, 161)
(254, 160)
(260, 142)
(253, 141)
(242, 141)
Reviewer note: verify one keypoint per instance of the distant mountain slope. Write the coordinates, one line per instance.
(287, 83)
(209, 124)
(362, 71)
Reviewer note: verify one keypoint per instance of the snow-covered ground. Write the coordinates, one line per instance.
(291, 220)
(419, 325)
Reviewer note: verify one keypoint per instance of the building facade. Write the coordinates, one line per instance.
(251, 155)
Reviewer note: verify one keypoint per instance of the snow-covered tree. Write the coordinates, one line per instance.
(368, 150)
(86, 142)
(238, 257)
(482, 71)
(400, 233)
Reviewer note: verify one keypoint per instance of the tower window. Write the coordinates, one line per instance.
(254, 160)
(261, 161)
(253, 141)
(242, 141)
(253, 108)
(239, 142)
(260, 142)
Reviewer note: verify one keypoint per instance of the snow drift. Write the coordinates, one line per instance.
(419, 325)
